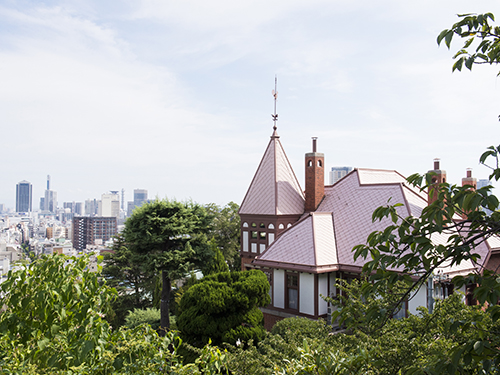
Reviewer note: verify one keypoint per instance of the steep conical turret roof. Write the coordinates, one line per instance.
(274, 189)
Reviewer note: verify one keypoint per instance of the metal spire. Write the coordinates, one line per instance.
(275, 95)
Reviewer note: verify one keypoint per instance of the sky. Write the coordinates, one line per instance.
(175, 96)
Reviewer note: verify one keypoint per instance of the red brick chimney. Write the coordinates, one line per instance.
(469, 180)
(315, 178)
(438, 177)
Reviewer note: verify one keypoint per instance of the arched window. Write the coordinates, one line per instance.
(289, 225)
(245, 225)
(270, 226)
(310, 163)
(262, 225)
(319, 163)
(254, 225)
(281, 226)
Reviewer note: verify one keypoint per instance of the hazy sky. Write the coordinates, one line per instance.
(175, 96)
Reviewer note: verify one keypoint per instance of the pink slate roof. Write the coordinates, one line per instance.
(274, 189)
(309, 243)
(323, 241)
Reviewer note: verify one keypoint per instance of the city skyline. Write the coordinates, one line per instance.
(176, 97)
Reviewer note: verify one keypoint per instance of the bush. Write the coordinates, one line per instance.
(149, 316)
(224, 307)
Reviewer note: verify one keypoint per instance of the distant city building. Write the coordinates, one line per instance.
(42, 203)
(69, 205)
(140, 196)
(110, 205)
(92, 230)
(337, 173)
(482, 183)
(2, 208)
(91, 207)
(50, 201)
(24, 196)
(78, 209)
(130, 208)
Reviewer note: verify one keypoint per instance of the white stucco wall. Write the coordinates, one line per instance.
(306, 293)
(279, 288)
(420, 299)
(322, 290)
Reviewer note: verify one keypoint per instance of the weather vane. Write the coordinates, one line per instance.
(275, 95)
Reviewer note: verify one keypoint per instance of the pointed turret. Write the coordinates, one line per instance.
(273, 202)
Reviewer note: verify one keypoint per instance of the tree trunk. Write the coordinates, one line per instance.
(165, 304)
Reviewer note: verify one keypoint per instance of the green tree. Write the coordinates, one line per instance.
(125, 271)
(52, 323)
(224, 307)
(217, 263)
(225, 228)
(172, 234)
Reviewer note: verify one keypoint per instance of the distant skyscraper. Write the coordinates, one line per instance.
(50, 201)
(337, 173)
(91, 207)
(130, 208)
(140, 196)
(24, 196)
(78, 208)
(110, 205)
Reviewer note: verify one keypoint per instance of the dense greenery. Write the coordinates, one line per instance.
(173, 235)
(52, 322)
(224, 307)
(134, 274)
(225, 229)
(148, 316)
(125, 271)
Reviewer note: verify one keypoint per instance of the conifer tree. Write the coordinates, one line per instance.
(172, 234)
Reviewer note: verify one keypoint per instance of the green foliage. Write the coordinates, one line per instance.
(54, 309)
(224, 307)
(125, 271)
(362, 308)
(172, 234)
(52, 323)
(218, 263)
(279, 346)
(295, 330)
(225, 229)
(146, 316)
(322, 361)
(482, 40)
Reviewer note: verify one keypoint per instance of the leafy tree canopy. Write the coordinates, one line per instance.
(482, 40)
(52, 323)
(125, 271)
(172, 234)
(225, 229)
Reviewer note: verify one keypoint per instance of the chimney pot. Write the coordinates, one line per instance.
(314, 143)
(469, 172)
(436, 164)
